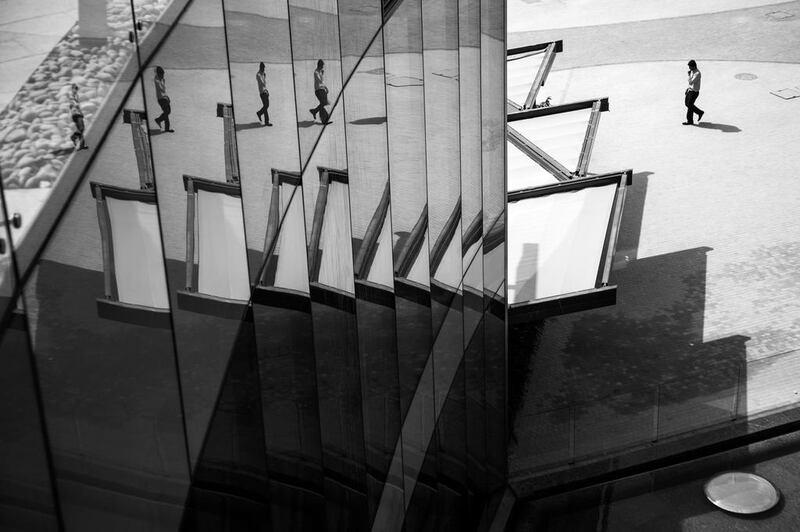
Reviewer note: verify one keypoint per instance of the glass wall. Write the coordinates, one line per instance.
(214, 322)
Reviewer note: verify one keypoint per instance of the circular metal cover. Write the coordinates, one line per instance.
(741, 493)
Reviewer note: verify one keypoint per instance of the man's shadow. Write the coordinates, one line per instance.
(725, 128)
(251, 125)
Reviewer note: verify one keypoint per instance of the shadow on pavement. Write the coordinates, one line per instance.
(251, 125)
(631, 225)
(369, 121)
(725, 128)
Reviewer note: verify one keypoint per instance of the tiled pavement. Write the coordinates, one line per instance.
(707, 322)
(28, 31)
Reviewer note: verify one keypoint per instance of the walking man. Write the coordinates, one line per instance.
(692, 92)
(321, 92)
(163, 101)
(261, 78)
(77, 119)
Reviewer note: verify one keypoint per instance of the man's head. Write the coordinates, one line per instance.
(74, 87)
(159, 72)
(261, 67)
(692, 65)
(320, 64)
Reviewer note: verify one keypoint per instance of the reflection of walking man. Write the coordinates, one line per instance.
(77, 119)
(692, 92)
(261, 78)
(321, 92)
(163, 101)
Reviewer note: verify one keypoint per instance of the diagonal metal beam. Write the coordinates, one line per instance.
(588, 140)
(542, 158)
(541, 75)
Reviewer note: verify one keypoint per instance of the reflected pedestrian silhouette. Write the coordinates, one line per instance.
(263, 93)
(163, 100)
(321, 92)
(77, 119)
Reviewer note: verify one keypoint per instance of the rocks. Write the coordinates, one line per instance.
(15, 136)
(25, 160)
(45, 173)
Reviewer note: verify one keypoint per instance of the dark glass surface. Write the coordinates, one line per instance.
(27, 496)
(440, 40)
(202, 227)
(109, 384)
(405, 104)
(493, 111)
(230, 488)
(370, 213)
(315, 38)
(291, 414)
(272, 197)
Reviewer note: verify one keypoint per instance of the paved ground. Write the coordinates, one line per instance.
(535, 15)
(707, 323)
(29, 29)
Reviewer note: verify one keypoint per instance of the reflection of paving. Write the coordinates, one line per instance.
(196, 148)
(263, 148)
(692, 333)
(28, 31)
(532, 15)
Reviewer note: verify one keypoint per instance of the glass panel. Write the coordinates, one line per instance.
(91, 46)
(9, 282)
(269, 160)
(405, 111)
(107, 370)
(493, 112)
(368, 171)
(556, 242)
(196, 169)
(326, 189)
(469, 55)
(440, 40)
(26, 483)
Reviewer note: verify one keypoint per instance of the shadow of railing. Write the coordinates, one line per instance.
(583, 431)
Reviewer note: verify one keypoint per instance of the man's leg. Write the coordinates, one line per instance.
(265, 107)
(691, 96)
(699, 112)
(165, 106)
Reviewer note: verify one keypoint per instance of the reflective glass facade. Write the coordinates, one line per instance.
(292, 322)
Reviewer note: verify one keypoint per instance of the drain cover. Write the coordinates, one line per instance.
(746, 76)
(779, 15)
(741, 493)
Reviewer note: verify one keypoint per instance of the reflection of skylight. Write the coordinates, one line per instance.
(520, 73)
(291, 270)
(138, 260)
(335, 263)
(524, 172)
(222, 263)
(555, 242)
(560, 135)
(381, 271)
